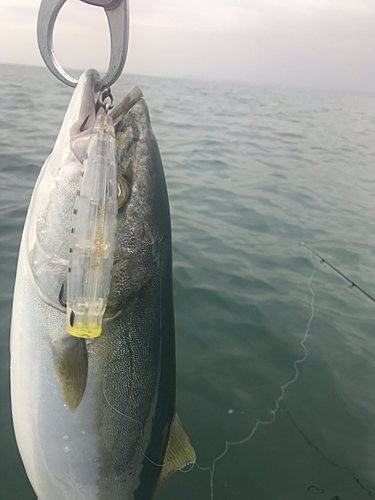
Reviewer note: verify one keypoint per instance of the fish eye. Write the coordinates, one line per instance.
(122, 191)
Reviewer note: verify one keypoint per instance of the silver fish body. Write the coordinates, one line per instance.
(95, 419)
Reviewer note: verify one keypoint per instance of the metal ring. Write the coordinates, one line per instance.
(118, 20)
(106, 94)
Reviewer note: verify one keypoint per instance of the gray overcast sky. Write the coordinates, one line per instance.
(313, 43)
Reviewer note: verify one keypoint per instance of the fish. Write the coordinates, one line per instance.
(96, 418)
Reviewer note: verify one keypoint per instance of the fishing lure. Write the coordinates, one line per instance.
(93, 232)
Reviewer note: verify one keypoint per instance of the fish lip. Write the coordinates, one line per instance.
(131, 98)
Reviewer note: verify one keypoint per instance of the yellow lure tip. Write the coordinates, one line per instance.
(84, 331)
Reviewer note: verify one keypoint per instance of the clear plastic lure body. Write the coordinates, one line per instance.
(93, 233)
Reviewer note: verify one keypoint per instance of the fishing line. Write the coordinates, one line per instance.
(151, 461)
(192, 464)
(115, 409)
(325, 457)
(276, 408)
(136, 422)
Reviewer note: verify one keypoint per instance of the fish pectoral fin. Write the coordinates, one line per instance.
(179, 452)
(71, 365)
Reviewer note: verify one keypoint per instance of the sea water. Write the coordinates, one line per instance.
(274, 351)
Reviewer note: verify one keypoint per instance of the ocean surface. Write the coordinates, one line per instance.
(275, 352)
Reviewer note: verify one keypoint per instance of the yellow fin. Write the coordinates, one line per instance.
(179, 452)
(70, 357)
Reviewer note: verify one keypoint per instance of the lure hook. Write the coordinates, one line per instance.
(117, 13)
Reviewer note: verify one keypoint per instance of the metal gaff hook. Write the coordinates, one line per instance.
(118, 19)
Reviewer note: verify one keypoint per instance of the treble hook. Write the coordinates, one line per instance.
(118, 19)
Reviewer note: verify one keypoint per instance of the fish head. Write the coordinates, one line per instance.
(143, 217)
(50, 212)
(144, 227)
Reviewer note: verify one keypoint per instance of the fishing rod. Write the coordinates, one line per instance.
(352, 284)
